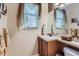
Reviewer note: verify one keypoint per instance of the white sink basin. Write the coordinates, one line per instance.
(75, 43)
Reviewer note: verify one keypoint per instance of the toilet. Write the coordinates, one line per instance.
(70, 52)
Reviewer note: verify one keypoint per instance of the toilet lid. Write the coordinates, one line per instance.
(71, 51)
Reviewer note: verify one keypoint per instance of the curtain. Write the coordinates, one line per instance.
(20, 9)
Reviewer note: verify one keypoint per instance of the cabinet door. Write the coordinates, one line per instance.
(44, 48)
(40, 46)
(52, 48)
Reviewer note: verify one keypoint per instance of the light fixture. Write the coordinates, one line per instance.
(56, 4)
(61, 5)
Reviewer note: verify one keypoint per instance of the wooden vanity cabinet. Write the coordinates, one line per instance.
(42, 45)
(53, 47)
(47, 48)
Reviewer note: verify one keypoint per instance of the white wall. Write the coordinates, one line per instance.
(72, 11)
(25, 41)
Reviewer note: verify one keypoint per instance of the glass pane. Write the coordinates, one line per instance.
(59, 14)
(30, 15)
(60, 23)
(30, 9)
(31, 21)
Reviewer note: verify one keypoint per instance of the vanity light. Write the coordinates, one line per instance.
(62, 5)
(56, 4)
(59, 4)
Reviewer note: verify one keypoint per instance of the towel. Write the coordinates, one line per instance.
(4, 40)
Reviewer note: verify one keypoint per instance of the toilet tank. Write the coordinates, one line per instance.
(70, 52)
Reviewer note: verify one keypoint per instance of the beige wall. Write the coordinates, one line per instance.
(11, 18)
(72, 11)
(24, 42)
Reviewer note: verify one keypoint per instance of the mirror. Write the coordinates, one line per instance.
(72, 12)
(57, 18)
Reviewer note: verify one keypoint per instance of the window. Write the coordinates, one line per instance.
(30, 15)
(60, 18)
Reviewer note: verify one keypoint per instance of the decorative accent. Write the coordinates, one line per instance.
(73, 32)
(52, 29)
(73, 20)
(20, 9)
(0, 40)
(78, 23)
(3, 9)
(42, 30)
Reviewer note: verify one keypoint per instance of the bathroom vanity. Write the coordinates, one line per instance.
(50, 46)
(47, 48)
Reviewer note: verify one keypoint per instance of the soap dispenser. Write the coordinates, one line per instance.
(51, 29)
(42, 30)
